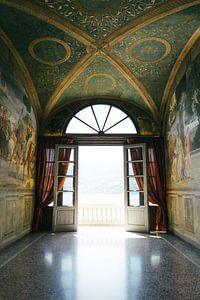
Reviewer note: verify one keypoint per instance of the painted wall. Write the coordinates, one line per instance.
(183, 156)
(17, 152)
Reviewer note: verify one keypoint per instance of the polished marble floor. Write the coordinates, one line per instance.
(99, 264)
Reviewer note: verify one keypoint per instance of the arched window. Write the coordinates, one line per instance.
(101, 119)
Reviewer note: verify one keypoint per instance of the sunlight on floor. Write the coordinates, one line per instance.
(109, 232)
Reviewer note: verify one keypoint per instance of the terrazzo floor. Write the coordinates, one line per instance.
(99, 264)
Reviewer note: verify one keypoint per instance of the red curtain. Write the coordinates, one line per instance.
(45, 174)
(156, 178)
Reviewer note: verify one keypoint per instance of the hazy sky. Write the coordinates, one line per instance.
(101, 169)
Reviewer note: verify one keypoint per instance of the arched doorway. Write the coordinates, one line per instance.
(100, 125)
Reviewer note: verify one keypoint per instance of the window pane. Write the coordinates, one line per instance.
(65, 199)
(136, 184)
(66, 154)
(101, 112)
(87, 116)
(135, 154)
(125, 126)
(135, 168)
(115, 116)
(65, 169)
(130, 169)
(65, 184)
(75, 126)
(136, 198)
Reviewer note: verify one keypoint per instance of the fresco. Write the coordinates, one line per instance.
(101, 79)
(151, 52)
(17, 128)
(183, 131)
(147, 126)
(48, 52)
(99, 18)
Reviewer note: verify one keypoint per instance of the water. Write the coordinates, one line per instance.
(101, 198)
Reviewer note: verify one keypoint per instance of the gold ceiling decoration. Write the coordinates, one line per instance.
(97, 81)
(49, 50)
(149, 50)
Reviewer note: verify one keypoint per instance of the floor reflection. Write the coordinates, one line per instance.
(100, 263)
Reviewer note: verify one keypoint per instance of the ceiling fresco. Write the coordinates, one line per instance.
(99, 18)
(49, 53)
(101, 79)
(151, 51)
(125, 50)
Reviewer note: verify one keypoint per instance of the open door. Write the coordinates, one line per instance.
(65, 189)
(136, 204)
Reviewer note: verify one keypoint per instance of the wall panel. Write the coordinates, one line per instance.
(16, 212)
(184, 212)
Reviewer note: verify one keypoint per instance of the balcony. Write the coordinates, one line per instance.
(101, 214)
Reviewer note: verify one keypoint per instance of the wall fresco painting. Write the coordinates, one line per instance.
(17, 128)
(183, 132)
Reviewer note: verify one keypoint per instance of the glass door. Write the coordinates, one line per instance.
(65, 188)
(136, 204)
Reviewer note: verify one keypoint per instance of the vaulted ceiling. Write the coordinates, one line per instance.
(127, 50)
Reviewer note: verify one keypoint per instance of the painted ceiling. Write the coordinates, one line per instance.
(126, 50)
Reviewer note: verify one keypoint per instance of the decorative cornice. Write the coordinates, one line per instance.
(173, 79)
(25, 76)
(117, 63)
(80, 67)
(172, 7)
(50, 18)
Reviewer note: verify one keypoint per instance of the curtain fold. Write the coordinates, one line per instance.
(45, 174)
(156, 178)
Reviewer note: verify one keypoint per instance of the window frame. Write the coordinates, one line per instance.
(101, 130)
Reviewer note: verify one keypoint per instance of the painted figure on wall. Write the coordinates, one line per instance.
(183, 131)
(17, 128)
(147, 126)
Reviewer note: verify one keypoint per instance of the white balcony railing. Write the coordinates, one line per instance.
(98, 214)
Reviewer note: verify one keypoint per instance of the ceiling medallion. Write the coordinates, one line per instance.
(149, 50)
(99, 82)
(49, 51)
